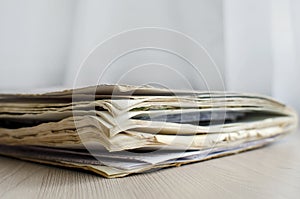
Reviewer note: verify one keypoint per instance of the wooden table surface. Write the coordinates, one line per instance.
(270, 172)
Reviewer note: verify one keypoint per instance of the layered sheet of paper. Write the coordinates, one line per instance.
(117, 130)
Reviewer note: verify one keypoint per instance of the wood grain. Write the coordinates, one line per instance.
(270, 172)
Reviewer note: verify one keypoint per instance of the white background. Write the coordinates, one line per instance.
(255, 43)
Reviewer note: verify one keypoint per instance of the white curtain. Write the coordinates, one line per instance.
(262, 47)
(255, 43)
(34, 42)
(96, 21)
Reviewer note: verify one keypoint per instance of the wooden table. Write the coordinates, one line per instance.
(270, 172)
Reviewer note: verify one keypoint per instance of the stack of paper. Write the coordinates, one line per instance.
(119, 130)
